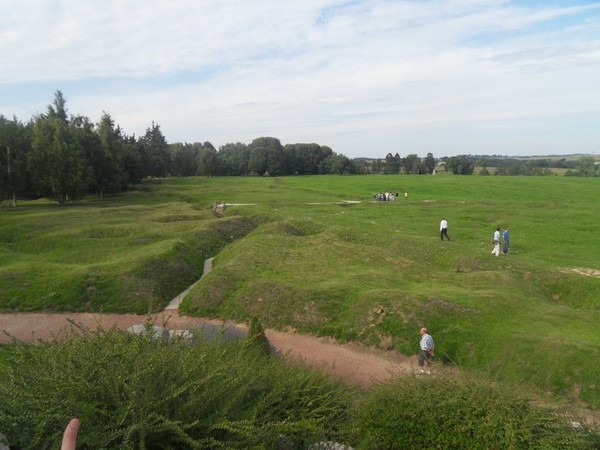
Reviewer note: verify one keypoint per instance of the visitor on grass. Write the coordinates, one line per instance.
(426, 345)
(444, 229)
(506, 238)
(496, 242)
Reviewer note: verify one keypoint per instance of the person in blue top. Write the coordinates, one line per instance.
(506, 238)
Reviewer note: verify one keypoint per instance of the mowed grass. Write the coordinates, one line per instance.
(130, 254)
(375, 272)
(299, 255)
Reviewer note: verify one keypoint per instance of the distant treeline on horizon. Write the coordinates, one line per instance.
(68, 157)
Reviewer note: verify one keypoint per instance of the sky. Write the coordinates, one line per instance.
(364, 77)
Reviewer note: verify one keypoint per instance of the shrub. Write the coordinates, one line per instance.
(131, 392)
(458, 412)
(257, 338)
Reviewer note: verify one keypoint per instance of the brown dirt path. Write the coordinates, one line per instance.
(353, 363)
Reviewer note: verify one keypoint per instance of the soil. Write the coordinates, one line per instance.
(350, 362)
(583, 271)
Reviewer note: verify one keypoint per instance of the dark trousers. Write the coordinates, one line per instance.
(443, 233)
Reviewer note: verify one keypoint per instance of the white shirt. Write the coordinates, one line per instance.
(496, 235)
(443, 224)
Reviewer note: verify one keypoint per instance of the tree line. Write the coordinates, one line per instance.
(67, 157)
(584, 166)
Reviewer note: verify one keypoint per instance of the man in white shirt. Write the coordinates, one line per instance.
(496, 241)
(444, 229)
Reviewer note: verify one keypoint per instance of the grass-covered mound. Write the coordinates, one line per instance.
(106, 257)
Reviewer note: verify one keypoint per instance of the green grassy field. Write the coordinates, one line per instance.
(293, 252)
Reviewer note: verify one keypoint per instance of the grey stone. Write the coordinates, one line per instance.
(329, 446)
(158, 333)
(181, 334)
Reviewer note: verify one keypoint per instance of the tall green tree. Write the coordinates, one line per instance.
(132, 159)
(58, 158)
(429, 163)
(184, 159)
(304, 159)
(106, 158)
(208, 162)
(234, 159)
(266, 157)
(155, 152)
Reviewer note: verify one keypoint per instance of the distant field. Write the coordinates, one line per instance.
(298, 252)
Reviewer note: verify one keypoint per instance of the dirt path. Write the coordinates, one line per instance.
(352, 363)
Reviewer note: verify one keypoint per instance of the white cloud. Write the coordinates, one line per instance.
(358, 76)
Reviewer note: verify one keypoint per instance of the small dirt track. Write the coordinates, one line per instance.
(352, 363)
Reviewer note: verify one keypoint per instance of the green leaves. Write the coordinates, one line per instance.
(458, 412)
(133, 392)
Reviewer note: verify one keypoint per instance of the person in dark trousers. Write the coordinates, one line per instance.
(444, 229)
(426, 346)
(506, 238)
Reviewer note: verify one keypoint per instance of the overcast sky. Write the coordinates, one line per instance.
(366, 78)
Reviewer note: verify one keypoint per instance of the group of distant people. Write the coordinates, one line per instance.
(387, 196)
(497, 240)
(384, 197)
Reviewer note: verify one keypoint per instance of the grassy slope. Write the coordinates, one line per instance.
(128, 254)
(370, 271)
(377, 271)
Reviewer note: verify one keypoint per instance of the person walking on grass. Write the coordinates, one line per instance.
(506, 238)
(444, 229)
(496, 242)
(426, 345)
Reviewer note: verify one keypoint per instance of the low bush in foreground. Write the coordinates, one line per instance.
(460, 412)
(135, 393)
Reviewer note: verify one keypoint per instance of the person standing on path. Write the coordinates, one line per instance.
(506, 238)
(426, 352)
(496, 242)
(444, 229)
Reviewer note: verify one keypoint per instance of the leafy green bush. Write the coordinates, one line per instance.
(132, 392)
(459, 412)
(257, 338)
